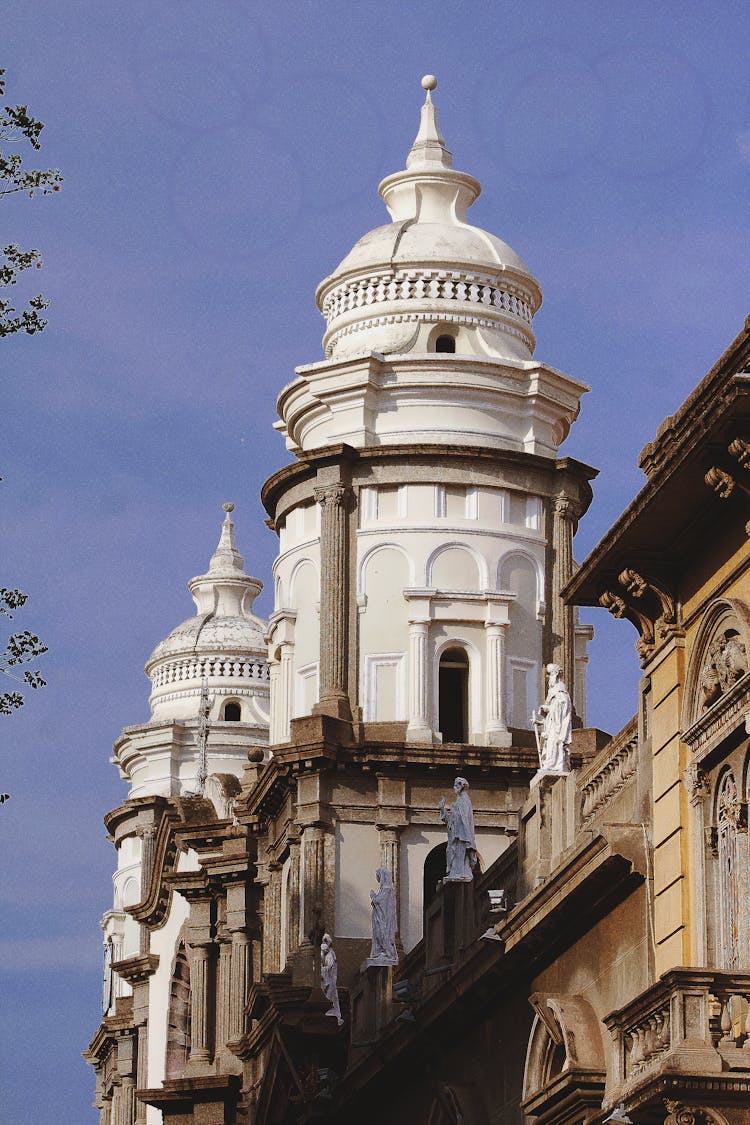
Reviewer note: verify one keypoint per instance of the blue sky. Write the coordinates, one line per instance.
(219, 160)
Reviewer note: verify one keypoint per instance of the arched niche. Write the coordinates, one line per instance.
(565, 1052)
(719, 657)
(455, 567)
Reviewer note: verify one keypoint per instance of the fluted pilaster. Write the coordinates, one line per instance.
(418, 729)
(564, 516)
(200, 1021)
(496, 731)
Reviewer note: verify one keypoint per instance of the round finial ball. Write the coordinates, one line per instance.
(255, 755)
(429, 82)
(228, 508)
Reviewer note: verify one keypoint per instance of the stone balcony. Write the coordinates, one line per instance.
(687, 1037)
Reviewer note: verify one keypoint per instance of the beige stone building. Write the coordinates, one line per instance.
(597, 965)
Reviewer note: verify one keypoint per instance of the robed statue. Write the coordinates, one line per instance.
(383, 902)
(461, 854)
(329, 972)
(554, 726)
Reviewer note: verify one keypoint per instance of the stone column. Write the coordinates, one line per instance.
(293, 900)
(224, 999)
(142, 1072)
(200, 1022)
(240, 971)
(698, 787)
(563, 616)
(334, 600)
(496, 730)
(285, 687)
(274, 671)
(306, 962)
(147, 835)
(127, 1102)
(419, 729)
(390, 859)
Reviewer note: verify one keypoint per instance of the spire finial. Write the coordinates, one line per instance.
(226, 556)
(429, 145)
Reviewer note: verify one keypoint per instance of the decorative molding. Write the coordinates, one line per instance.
(740, 450)
(423, 318)
(697, 783)
(610, 776)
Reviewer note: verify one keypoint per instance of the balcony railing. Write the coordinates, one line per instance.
(692, 1021)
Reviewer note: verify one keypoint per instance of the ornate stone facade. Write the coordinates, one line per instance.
(592, 965)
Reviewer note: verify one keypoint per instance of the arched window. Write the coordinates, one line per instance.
(453, 695)
(445, 343)
(232, 712)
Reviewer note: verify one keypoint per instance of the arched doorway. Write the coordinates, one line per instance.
(453, 695)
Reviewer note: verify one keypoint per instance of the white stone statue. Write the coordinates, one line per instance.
(556, 724)
(383, 902)
(328, 975)
(461, 856)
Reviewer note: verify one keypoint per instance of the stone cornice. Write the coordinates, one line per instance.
(136, 970)
(552, 474)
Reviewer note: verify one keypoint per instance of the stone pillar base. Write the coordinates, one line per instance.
(337, 706)
(499, 738)
(419, 734)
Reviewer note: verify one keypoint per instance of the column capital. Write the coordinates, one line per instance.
(565, 507)
(332, 494)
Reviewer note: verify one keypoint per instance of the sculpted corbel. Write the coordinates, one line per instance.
(619, 608)
(647, 589)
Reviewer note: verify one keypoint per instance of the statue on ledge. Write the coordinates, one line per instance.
(328, 976)
(383, 902)
(555, 722)
(461, 855)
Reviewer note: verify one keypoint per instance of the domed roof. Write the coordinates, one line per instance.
(429, 266)
(224, 623)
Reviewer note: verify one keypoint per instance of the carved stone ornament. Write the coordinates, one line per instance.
(332, 494)
(726, 663)
(565, 507)
(619, 608)
(711, 839)
(697, 783)
(664, 611)
(679, 1114)
(720, 481)
(740, 450)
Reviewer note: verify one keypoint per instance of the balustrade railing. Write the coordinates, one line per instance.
(703, 1012)
(179, 670)
(607, 776)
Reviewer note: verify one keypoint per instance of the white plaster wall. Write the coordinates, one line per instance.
(384, 634)
(164, 944)
(357, 859)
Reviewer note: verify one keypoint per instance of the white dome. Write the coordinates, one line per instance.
(429, 271)
(223, 645)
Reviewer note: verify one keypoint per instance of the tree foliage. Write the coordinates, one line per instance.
(20, 649)
(18, 127)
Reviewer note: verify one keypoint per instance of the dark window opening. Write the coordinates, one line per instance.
(453, 695)
(445, 344)
(434, 871)
(232, 713)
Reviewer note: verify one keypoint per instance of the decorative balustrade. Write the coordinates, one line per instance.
(208, 667)
(610, 774)
(692, 1018)
(428, 285)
